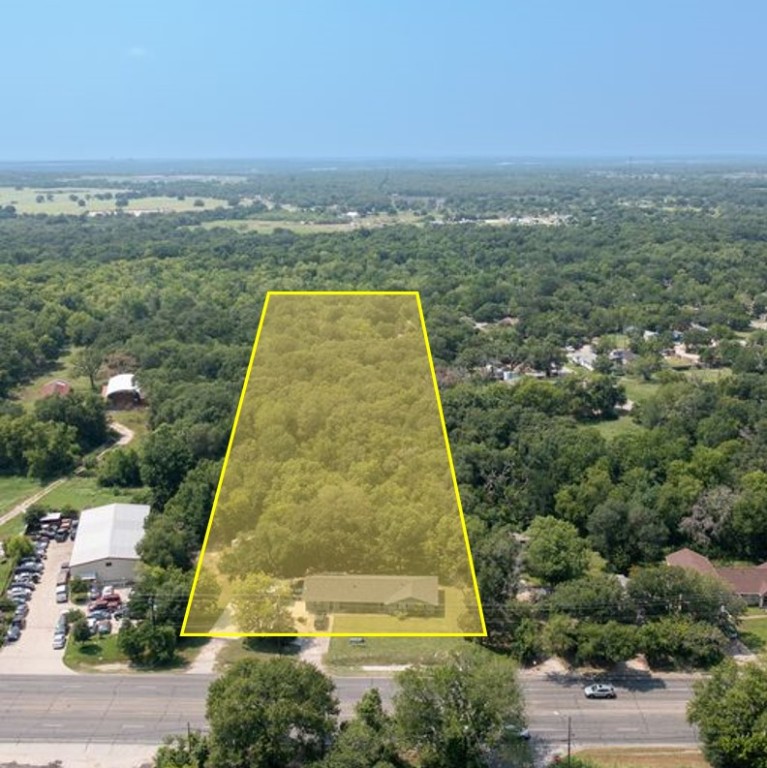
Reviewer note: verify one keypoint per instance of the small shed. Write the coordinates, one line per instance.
(122, 392)
(56, 387)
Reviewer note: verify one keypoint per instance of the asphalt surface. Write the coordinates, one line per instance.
(646, 711)
(141, 709)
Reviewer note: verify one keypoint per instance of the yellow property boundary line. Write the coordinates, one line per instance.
(453, 477)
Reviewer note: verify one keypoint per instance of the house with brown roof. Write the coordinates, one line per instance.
(749, 583)
(363, 593)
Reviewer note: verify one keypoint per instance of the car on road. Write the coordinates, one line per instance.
(13, 634)
(59, 641)
(600, 691)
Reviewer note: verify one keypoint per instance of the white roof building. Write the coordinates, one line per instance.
(105, 546)
(123, 382)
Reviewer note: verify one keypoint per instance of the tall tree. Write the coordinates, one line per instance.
(270, 714)
(453, 713)
(730, 709)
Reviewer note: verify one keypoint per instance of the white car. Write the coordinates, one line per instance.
(59, 641)
(599, 691)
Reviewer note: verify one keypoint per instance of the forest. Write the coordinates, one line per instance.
(653, 256)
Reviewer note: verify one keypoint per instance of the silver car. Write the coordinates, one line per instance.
(600, 691)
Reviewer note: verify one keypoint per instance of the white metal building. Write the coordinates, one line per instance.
(105, 546)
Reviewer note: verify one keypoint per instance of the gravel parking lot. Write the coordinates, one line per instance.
(33, 653)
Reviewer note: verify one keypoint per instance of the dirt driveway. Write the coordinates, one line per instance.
(32, 653)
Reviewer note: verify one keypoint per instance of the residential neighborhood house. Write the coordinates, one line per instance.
(750, 583)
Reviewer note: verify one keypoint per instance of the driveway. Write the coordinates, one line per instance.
(33, 652)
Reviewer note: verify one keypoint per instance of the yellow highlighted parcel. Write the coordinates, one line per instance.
(337, 511)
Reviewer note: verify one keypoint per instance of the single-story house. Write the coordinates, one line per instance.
(105, 547)
(122, 391)
(749, 583)
(357, 593)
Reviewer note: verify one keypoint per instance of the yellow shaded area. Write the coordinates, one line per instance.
(337, 511)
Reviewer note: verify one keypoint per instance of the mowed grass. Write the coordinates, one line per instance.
(361, 623)
(64, 369)
(753, 633)
(638, 390)
(93, 652)
(13, 490)
(644, 757)
(615, 427)
(261, 649)
(384, 651)
(136, 419)
(83, 492)
(25, 201)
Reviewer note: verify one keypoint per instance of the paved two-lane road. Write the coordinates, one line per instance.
(647, 711)
(142, 708)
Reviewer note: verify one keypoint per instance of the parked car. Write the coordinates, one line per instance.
(61, 593)
(13, 634)
(21, 610)
(600, 691)
(104, 627)
(120, 613)
(59, 641)
(99, 615)
(18, 599)
(107, 591)
(98, 605)
(94, 593)
(19, 621)
(24, 583)
(19, 592)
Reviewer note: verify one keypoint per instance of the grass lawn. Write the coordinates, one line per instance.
(615, 427)
(362, 623)
(390, 650)
(644, 757)
(14, 490)
(84, 492)
(753, 632)
(62, 370)
(94, 652)
(708, 374)
(638, 390)
(12, 527)
(261, 648)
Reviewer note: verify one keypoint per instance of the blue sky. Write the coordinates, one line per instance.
(90, 79)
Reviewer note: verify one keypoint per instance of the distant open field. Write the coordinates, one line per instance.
(26, 201)
(13, 490)
(267, 225)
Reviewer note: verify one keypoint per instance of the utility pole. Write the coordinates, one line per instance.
(569, 739)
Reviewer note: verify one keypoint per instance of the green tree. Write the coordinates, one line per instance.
(87, 362)
(147, 644)
(366, 741)
(18, 547)
(191, 751)
(730, 709)
(261, 604)
(270, 714)
(453, 713)
(555, 552)
(80, 631)
(165, 462)
(120, 467)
